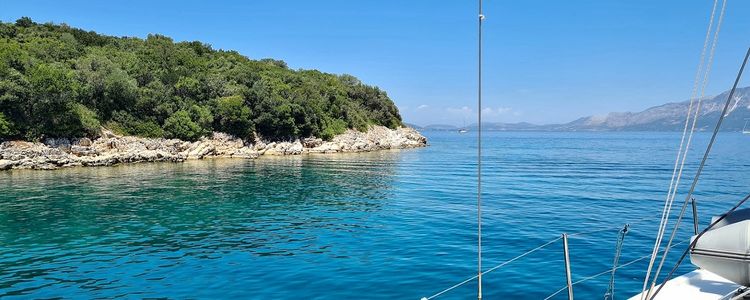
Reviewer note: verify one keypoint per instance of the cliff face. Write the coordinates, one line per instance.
(112, 149)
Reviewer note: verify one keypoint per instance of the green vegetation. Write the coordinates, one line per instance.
(58, 81)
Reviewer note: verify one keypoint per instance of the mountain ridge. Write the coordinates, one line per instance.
(666, 117)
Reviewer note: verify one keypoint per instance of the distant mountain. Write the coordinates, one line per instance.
(666, 117)
(522, 126)
(671, 116)
(415, 126)
(439, 127)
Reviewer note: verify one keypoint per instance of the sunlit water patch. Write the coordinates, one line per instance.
(385, 225)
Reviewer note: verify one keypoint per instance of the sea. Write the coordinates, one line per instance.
(398, 224)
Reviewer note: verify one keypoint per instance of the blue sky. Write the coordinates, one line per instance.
(545, 62)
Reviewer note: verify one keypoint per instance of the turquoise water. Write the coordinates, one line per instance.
(386, 225)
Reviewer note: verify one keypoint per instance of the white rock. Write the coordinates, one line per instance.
(111, 149)
(6, 164)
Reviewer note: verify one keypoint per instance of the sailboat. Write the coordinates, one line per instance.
(745, 130)
(463, 128)
(720, 252)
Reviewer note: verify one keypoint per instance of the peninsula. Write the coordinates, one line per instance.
(70, 97)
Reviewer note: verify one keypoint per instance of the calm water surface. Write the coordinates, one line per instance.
(386, 225)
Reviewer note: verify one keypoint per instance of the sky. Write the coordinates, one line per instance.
(544, 61)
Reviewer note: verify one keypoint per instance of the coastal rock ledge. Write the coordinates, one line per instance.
(112, 149)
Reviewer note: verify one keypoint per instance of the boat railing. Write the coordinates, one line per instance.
(606, 272)
(609, 294)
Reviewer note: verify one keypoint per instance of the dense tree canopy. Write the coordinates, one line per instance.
(58, 81)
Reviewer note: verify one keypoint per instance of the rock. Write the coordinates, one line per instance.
(83, 151)
(246, 152)
(6, 164)
(327, 147)
(85, 142)
(60, 143)
(275, 148)
(73, 164)
(111, 149)
(108, 134)
(200, 150)
(312, 142)
(295, 148)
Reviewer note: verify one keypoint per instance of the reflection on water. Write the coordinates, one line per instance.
(86, 228)
(386, 225)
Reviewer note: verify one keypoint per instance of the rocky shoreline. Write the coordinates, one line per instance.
(112, 149)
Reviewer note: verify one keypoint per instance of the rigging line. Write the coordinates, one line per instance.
(610, 293)
(529, 252)
(540, 247)
(711, 142)
(672, 186)
(479, 156)
(695, 240)
(532, 251)
(582, 280)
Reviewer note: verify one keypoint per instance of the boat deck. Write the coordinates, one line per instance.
(698, 285)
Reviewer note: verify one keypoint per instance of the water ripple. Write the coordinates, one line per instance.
(393, 224)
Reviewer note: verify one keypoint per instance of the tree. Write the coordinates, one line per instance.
(52, 92)
(24, 22)
(6, 128)
(124, 123)
(275, 119)
(61, 81)
(14, 89)
(89, 123)
(180, 126)
(202, 117)
(104, 86)
(233, 116)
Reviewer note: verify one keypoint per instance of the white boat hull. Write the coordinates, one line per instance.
(698, 285)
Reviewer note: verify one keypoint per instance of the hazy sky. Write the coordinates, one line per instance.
(546, 61)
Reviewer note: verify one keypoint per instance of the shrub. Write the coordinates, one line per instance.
(89, 123)
(58, 81)
(126, 124)
(202, 117)
(6, 129)
(333, 128)
(233, 117)
(180, 126)
(149, 129)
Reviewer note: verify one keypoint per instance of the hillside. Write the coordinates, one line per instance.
(59, 81)
(666, 117)
(671, 116)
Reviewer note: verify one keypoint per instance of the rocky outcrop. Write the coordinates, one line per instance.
(112, 149)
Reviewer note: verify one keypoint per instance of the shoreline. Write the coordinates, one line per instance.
(111, 149)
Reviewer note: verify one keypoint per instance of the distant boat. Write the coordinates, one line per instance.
(720, 251)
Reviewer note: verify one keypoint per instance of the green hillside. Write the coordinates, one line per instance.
(59, 81)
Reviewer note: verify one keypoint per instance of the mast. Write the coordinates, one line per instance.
(479, 157)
